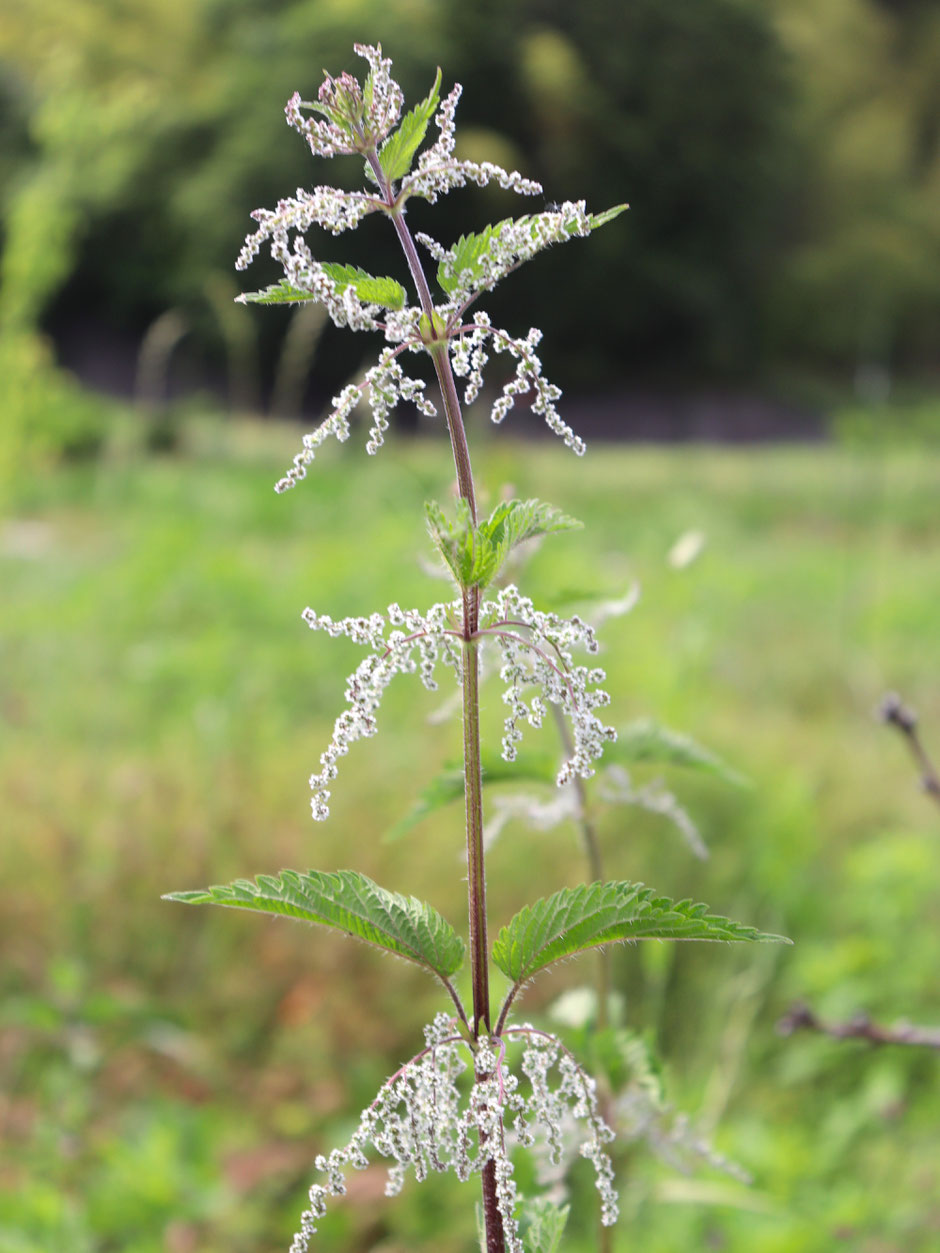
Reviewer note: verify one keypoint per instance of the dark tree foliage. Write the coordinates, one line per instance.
(781, 171)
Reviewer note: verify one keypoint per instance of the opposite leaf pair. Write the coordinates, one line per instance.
(571, 921)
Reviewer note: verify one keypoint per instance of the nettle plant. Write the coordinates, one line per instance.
(484, 1086)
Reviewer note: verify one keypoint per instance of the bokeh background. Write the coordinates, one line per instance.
(751, 353)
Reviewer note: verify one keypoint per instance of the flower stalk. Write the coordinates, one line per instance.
(459, 1104)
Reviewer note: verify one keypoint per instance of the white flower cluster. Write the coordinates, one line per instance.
(639, 1116)
(470, 358)
(655, 798)
(438, 172)
(539, 814)
(333, 210)
(541, 657)
(435, 1114)
(416, 642)
(342, 99)
(384, 385)
(354, 120)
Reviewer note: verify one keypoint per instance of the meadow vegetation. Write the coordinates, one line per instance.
(168, 1075)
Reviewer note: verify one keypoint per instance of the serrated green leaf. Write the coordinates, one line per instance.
(351, 902)
(467, 254)
(455, 539)
(547, 1223)
(398, 151)
(577, 919)
(475, 554)
(282, 293)
(647, 741)
(515, 521)
(601, 219)
(470, 556)
(387, 292)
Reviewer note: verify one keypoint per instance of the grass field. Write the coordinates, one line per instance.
(167, 1075)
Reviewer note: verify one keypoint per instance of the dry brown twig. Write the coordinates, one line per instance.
(893, 712)
(860, 1027)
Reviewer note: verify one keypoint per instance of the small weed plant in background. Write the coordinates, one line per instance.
(484, 1087)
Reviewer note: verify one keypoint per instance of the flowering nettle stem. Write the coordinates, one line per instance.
(473, 776)
(473, 781)
(424, 1117)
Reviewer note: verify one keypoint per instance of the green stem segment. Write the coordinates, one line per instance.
(473, 790)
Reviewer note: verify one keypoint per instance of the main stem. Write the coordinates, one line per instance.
(473, 774)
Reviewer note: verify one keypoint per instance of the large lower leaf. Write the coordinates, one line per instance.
(586, 917)
(351, 902)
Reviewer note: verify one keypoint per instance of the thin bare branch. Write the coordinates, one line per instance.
(860, 1027)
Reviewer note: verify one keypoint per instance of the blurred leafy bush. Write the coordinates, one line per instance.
(45, 415)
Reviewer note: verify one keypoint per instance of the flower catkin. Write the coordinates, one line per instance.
(448, 1110)
(536, 665)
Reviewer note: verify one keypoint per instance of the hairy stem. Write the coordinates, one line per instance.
(473, 775)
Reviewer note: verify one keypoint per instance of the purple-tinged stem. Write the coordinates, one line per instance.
(473, 775)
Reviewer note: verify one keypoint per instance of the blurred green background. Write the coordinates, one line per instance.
(167, 1075)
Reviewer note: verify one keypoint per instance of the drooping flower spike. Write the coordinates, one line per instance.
(535, 653)
(445, 1110)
